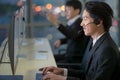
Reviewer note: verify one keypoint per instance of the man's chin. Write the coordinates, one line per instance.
(87, 34)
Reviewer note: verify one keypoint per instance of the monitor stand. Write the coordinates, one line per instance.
(4, 52)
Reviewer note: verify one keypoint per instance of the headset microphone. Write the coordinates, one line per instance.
(80, 31)
(89, 23)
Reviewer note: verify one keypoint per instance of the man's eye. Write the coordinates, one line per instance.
(85, 17)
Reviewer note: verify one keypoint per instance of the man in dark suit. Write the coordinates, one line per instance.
(74, 35)
(101, 60)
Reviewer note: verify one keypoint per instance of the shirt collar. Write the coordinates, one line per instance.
(71, 21)
(95, 40)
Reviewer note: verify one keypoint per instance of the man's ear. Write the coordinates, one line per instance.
(77, 11)
(97, 21)
(100, 23)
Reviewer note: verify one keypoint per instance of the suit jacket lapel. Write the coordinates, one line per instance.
(92, 51)
(87, 56)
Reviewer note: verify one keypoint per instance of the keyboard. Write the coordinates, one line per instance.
(39, 76)
(11, 77)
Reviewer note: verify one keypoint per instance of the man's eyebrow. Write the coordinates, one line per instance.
(85, 17)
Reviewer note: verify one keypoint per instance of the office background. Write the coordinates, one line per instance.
(38, 26)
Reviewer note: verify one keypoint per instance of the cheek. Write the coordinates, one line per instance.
(88, 30)
(92, 30)
(70, 13)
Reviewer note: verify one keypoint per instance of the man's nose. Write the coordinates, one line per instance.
(81, 24)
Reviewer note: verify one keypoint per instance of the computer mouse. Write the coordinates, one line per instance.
(41, 69)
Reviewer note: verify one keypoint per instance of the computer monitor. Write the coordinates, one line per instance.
(20, 23)
(16, 36)
(13, 47)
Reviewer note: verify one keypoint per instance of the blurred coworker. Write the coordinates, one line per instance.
(74, 35)
(102, 62)
(20, 3)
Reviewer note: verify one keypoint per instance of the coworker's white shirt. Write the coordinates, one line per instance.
(71, 21)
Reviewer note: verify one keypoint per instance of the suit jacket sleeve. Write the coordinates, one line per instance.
(75, 74)
(72, 31)
(63, 40)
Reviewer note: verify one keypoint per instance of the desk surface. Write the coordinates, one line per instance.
(34, 54)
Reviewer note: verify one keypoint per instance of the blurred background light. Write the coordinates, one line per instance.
(38, 8)
(49, 6)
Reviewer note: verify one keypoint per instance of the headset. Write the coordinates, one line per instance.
(96, 19)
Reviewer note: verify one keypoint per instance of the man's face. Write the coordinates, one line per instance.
(71, 12)
(89, 27)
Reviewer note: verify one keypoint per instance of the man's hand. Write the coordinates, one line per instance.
(52, 18)
(53, 69)
(57, 43)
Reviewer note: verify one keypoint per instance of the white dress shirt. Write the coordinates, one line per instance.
(71, 21)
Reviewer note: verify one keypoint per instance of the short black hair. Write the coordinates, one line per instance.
(100, 11)
(76, 4)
